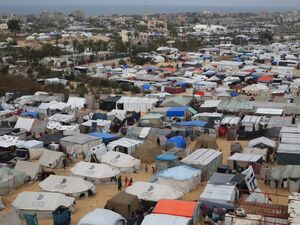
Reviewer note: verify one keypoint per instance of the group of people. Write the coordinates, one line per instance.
(127, 182)
(146, 169)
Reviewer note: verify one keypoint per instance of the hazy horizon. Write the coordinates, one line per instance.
(234, 3)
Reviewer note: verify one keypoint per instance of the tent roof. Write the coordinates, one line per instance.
(100, 217)
(175, 208)
(25, 123)
(42, 201)
(118, 160)
(202, 157)
(31, 169)
(152, 191)
(161, 219)
(65, 185)
(79, 138)
(180, 173)
(94, 170)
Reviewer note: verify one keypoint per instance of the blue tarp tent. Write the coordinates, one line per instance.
(194, 123)
(176, 111)
(166, 157)
(146, 87)
(181, 84)
(99, 116)
(178, 141)
(30, 114)
(106, 137)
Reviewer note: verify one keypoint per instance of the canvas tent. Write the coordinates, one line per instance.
(166, 160)
(76, 102)
(136, 104)
(161, 219)
(94, 154)
(207, 160)
(10, 180)
(79, 143)
(70, 186)
(121, 161)
(10, 218)
(262, 142)
(187, 209)
(102, 217)
(97, 173)
(41, 203)
(124, 145)
(125, 204)
(206, 141)
(183, 178)
(243, 159)
(51, 159)
(152, 191)
(219, 196)
(31, 169)
(147, 152)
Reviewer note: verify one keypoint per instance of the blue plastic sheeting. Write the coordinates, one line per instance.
(30, 114)
(180, 172)
(194, 123)
(106, 137)
(147, 87)
(166, 157)
(99, 116)
(177, 111)
(234, 94)
(181, 84)
(178, 141)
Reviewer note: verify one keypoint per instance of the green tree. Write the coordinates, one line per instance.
(14, 25)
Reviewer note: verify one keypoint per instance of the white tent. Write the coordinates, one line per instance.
(10, 218)
(208, 160)
(137, 104)
(161, 219)
(51, 159)
(242, 159)
(121, 161)
(25, 123)
(79, 143)
(152, 191)
(125, 145)
(31, 169)
(182, 178)
(41, 203)
(258, 197)
(7, 141)
(71, 186)
(102, 217)
(222, 196)
(256, 88)
(262, 141)
(103, 124)
(31, 144)
(76, 102)
(98, 173)
(97, 151)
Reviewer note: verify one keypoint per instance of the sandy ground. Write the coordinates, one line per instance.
(105, 192)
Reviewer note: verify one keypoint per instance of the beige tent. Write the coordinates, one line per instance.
(125, 204)
(206, 141)
(51, 159)
(31, 169)
(147, 152)
(41, 203)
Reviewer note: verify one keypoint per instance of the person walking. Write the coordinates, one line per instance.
(146, 168)
(130, 182)
(119, 183)
(64, 163)
(126, 181)
(153, 169)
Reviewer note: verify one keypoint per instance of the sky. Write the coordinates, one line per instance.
(235, 3)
